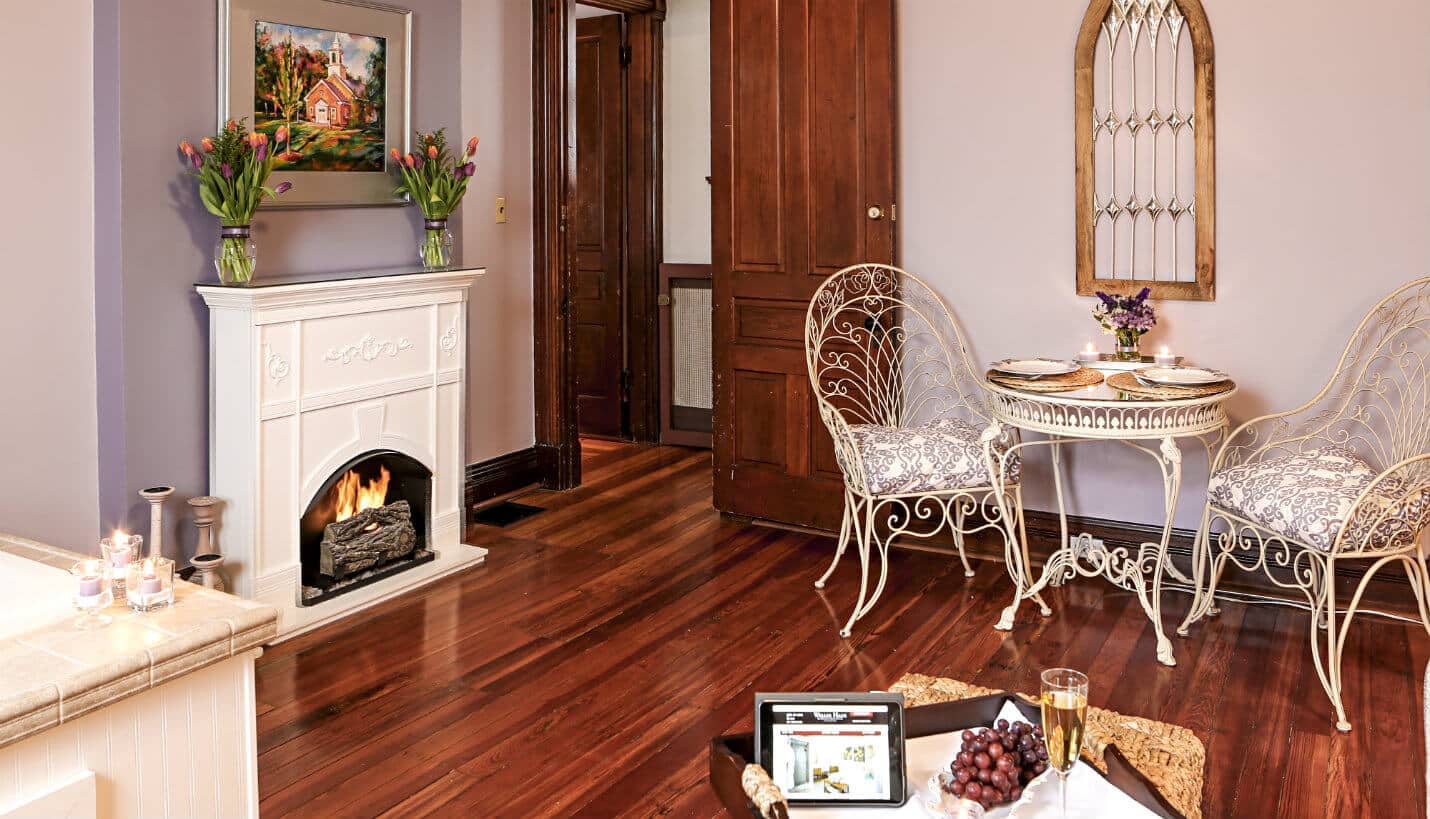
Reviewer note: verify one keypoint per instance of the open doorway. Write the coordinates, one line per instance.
(622, 329)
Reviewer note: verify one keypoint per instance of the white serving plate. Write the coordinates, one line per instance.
(1034, 367)
(1180, 376)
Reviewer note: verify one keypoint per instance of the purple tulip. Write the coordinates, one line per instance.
(417, 160)
(197, 160)
(262, 152)
(283, 187)
(226, 171)
(469, 169)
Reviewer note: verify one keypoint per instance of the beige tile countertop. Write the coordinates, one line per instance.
(54, 672)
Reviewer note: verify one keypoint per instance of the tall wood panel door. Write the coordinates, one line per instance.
(597, 281)
(803, 117)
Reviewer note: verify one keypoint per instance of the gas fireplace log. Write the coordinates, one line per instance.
(370, 538)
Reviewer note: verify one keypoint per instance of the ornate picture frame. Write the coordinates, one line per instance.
(335, 75)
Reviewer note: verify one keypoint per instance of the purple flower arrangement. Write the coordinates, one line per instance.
(1126, 317)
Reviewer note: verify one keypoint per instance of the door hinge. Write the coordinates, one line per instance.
(625, 386)
(893, 212)
(625, 56)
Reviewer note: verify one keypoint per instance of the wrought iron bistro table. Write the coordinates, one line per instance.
(1099, 413)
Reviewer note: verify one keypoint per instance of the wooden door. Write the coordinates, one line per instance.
(802, 123)
(597, 281)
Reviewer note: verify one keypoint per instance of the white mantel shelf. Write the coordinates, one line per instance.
(306, 373)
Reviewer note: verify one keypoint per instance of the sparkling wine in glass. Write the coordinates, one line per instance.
(1064, 701)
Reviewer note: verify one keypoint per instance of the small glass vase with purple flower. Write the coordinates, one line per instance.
(1126, 318)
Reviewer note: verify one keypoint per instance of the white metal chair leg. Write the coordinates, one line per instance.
(866, 533)
(1203, 574)
(1420, 582)
(849, 506)
(958, 538)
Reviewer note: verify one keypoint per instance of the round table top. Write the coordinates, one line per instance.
(1102, 393)
(1103, 412)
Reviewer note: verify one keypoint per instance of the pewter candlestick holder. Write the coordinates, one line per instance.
(156, 495)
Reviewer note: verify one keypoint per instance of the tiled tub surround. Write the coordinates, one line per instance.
(307, 375)
(121, 701)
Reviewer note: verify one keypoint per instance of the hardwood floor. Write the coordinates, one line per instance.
(584, 668)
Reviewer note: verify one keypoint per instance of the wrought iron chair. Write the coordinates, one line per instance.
(906, 411)
(1345, 477)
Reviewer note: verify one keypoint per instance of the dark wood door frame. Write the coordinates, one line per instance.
(554, 177)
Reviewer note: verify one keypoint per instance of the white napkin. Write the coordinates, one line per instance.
(928, 755)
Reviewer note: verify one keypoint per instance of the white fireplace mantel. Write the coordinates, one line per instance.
(305, 375)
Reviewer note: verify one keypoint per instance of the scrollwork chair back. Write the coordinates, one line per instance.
(1376, 404)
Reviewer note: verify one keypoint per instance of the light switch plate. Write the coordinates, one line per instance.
(501, 210)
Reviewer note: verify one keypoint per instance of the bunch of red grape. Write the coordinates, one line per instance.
(995, 764)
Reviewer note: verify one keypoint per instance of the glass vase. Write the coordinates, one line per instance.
(436, 248)
(1129, 345)
(235, 255)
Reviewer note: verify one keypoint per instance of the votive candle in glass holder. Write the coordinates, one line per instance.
(118, 552)
(92, 593)
(1088, 353)
(1164, 358)
(150, 583)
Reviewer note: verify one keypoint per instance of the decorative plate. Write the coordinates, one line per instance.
(1177, 376)
(1034, 367)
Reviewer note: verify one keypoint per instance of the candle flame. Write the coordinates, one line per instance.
(352, 494)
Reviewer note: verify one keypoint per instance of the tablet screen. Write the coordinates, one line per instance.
(831, 751)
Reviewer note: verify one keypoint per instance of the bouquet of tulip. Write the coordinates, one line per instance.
(436, 181)
(232, 169)
(1126, 317)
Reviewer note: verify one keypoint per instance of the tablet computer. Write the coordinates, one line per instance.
(833, 749)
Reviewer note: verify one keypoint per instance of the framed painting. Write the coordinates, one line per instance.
(332, 78)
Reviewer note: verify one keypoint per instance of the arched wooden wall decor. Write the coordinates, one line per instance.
(1146, 160)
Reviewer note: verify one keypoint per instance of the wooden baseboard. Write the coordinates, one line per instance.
(498, 476)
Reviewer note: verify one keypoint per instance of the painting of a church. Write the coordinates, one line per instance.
(337, 99)
(328, 89)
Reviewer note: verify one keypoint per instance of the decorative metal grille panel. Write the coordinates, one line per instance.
(1143, 120)
(692, 367)
(1145, 158)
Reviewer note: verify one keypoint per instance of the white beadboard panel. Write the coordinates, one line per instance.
(187, 748)
(347, 351)
(278, 500)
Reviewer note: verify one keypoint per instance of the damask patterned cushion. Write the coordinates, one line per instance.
(944, 454)
(1308, 496)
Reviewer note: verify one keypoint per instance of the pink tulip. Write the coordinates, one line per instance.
(281, 135)
(471, 146)
(232, 125)
(208, 144)
(410, 161)
(431, 151)
(185, 148)
(396, 155)
(283, 187)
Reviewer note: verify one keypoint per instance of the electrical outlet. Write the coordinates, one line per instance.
(501, 210)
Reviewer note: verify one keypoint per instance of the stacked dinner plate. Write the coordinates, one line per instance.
(1179, 376)
(1034, 368)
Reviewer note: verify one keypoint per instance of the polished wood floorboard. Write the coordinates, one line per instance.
(584, 668)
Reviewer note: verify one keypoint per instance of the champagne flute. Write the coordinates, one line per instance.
(1064, 701)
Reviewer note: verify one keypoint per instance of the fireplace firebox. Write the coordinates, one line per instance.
(368, 521)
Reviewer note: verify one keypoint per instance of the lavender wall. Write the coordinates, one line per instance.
(47, 487)
(154, 239)
(1323, 174)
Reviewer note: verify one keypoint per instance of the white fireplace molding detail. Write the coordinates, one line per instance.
(304, 378)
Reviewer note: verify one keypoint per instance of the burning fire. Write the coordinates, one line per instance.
(352, 494)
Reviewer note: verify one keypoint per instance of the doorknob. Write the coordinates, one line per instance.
(876, 213)
(662, 300)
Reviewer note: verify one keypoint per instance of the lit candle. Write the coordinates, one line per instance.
(150, 582)
(120, 552)
(1089, 353)
(1164, 357)
(90, 585)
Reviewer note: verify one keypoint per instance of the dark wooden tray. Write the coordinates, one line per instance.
(730, 754)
